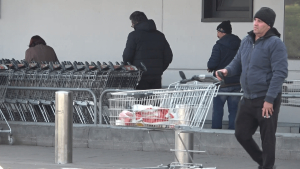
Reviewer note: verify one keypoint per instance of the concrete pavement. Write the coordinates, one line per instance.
(37, 157)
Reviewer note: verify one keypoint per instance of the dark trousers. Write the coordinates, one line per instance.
(249, 117)
(149, 83)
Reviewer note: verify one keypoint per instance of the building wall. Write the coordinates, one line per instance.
(96, 30)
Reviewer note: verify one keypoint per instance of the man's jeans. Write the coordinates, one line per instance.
(218, 104)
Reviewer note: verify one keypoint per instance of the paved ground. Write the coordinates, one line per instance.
(35, 157)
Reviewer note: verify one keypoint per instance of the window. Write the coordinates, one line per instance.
(233, 10)
(291, 28)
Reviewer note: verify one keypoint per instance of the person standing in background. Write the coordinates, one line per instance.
(39, 51)
(222, 54)
(147, 45)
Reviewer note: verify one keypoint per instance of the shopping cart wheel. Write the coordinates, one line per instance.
(11, 139)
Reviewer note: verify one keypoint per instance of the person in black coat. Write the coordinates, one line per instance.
(222, 54)
(147, 45)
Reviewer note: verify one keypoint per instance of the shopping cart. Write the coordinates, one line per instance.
(4, 82)
(182, 107)
(291, 87)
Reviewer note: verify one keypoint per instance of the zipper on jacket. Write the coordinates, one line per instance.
(246, 79)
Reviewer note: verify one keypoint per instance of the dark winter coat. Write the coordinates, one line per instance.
(263, 64)
(222, 54)
(148, 45)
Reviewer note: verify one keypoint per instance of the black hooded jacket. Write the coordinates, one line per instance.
(222, 54)
(148, 45)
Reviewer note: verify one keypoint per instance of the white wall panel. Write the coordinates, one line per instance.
(76, 29)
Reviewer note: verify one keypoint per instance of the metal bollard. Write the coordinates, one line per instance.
(181, 154)
(187, 139)
(63, 127)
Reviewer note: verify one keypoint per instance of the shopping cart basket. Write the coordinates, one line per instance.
(183, 106)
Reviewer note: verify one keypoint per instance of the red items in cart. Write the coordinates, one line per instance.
(154, 115)
(126, 116)
(145, 114)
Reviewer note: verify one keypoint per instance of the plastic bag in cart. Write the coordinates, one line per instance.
(146, 114)
(154, 115)
(126, 117)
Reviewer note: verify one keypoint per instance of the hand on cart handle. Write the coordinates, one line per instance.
(220, 74)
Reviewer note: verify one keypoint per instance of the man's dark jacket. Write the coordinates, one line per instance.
(148, 45)
(263, 64)
(222, 54)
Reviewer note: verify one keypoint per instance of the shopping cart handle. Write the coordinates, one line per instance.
(26, 64)
(75, 66)
(184, 81)
(182, 75)
(99, 65)
(220, 74)
(51, 66)
(93, 64)
(87, 66)
(15, 65)
(288, 81)
(63, 68)
(111, 66)
(205, 78)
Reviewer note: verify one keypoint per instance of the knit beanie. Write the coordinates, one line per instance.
(267, 15)
(225, 27)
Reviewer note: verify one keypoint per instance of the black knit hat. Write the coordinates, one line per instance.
(267, 15)
(225, 27)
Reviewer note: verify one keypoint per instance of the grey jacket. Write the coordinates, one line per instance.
(40, 53)
(263, 64)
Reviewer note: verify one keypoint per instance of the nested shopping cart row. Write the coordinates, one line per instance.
(33, 105)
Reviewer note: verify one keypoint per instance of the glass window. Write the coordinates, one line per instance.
(233, 10)
(232, 5)
(292, 28)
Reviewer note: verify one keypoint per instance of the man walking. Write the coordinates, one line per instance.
(262, 59)
(222, 54)
(148, 45)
